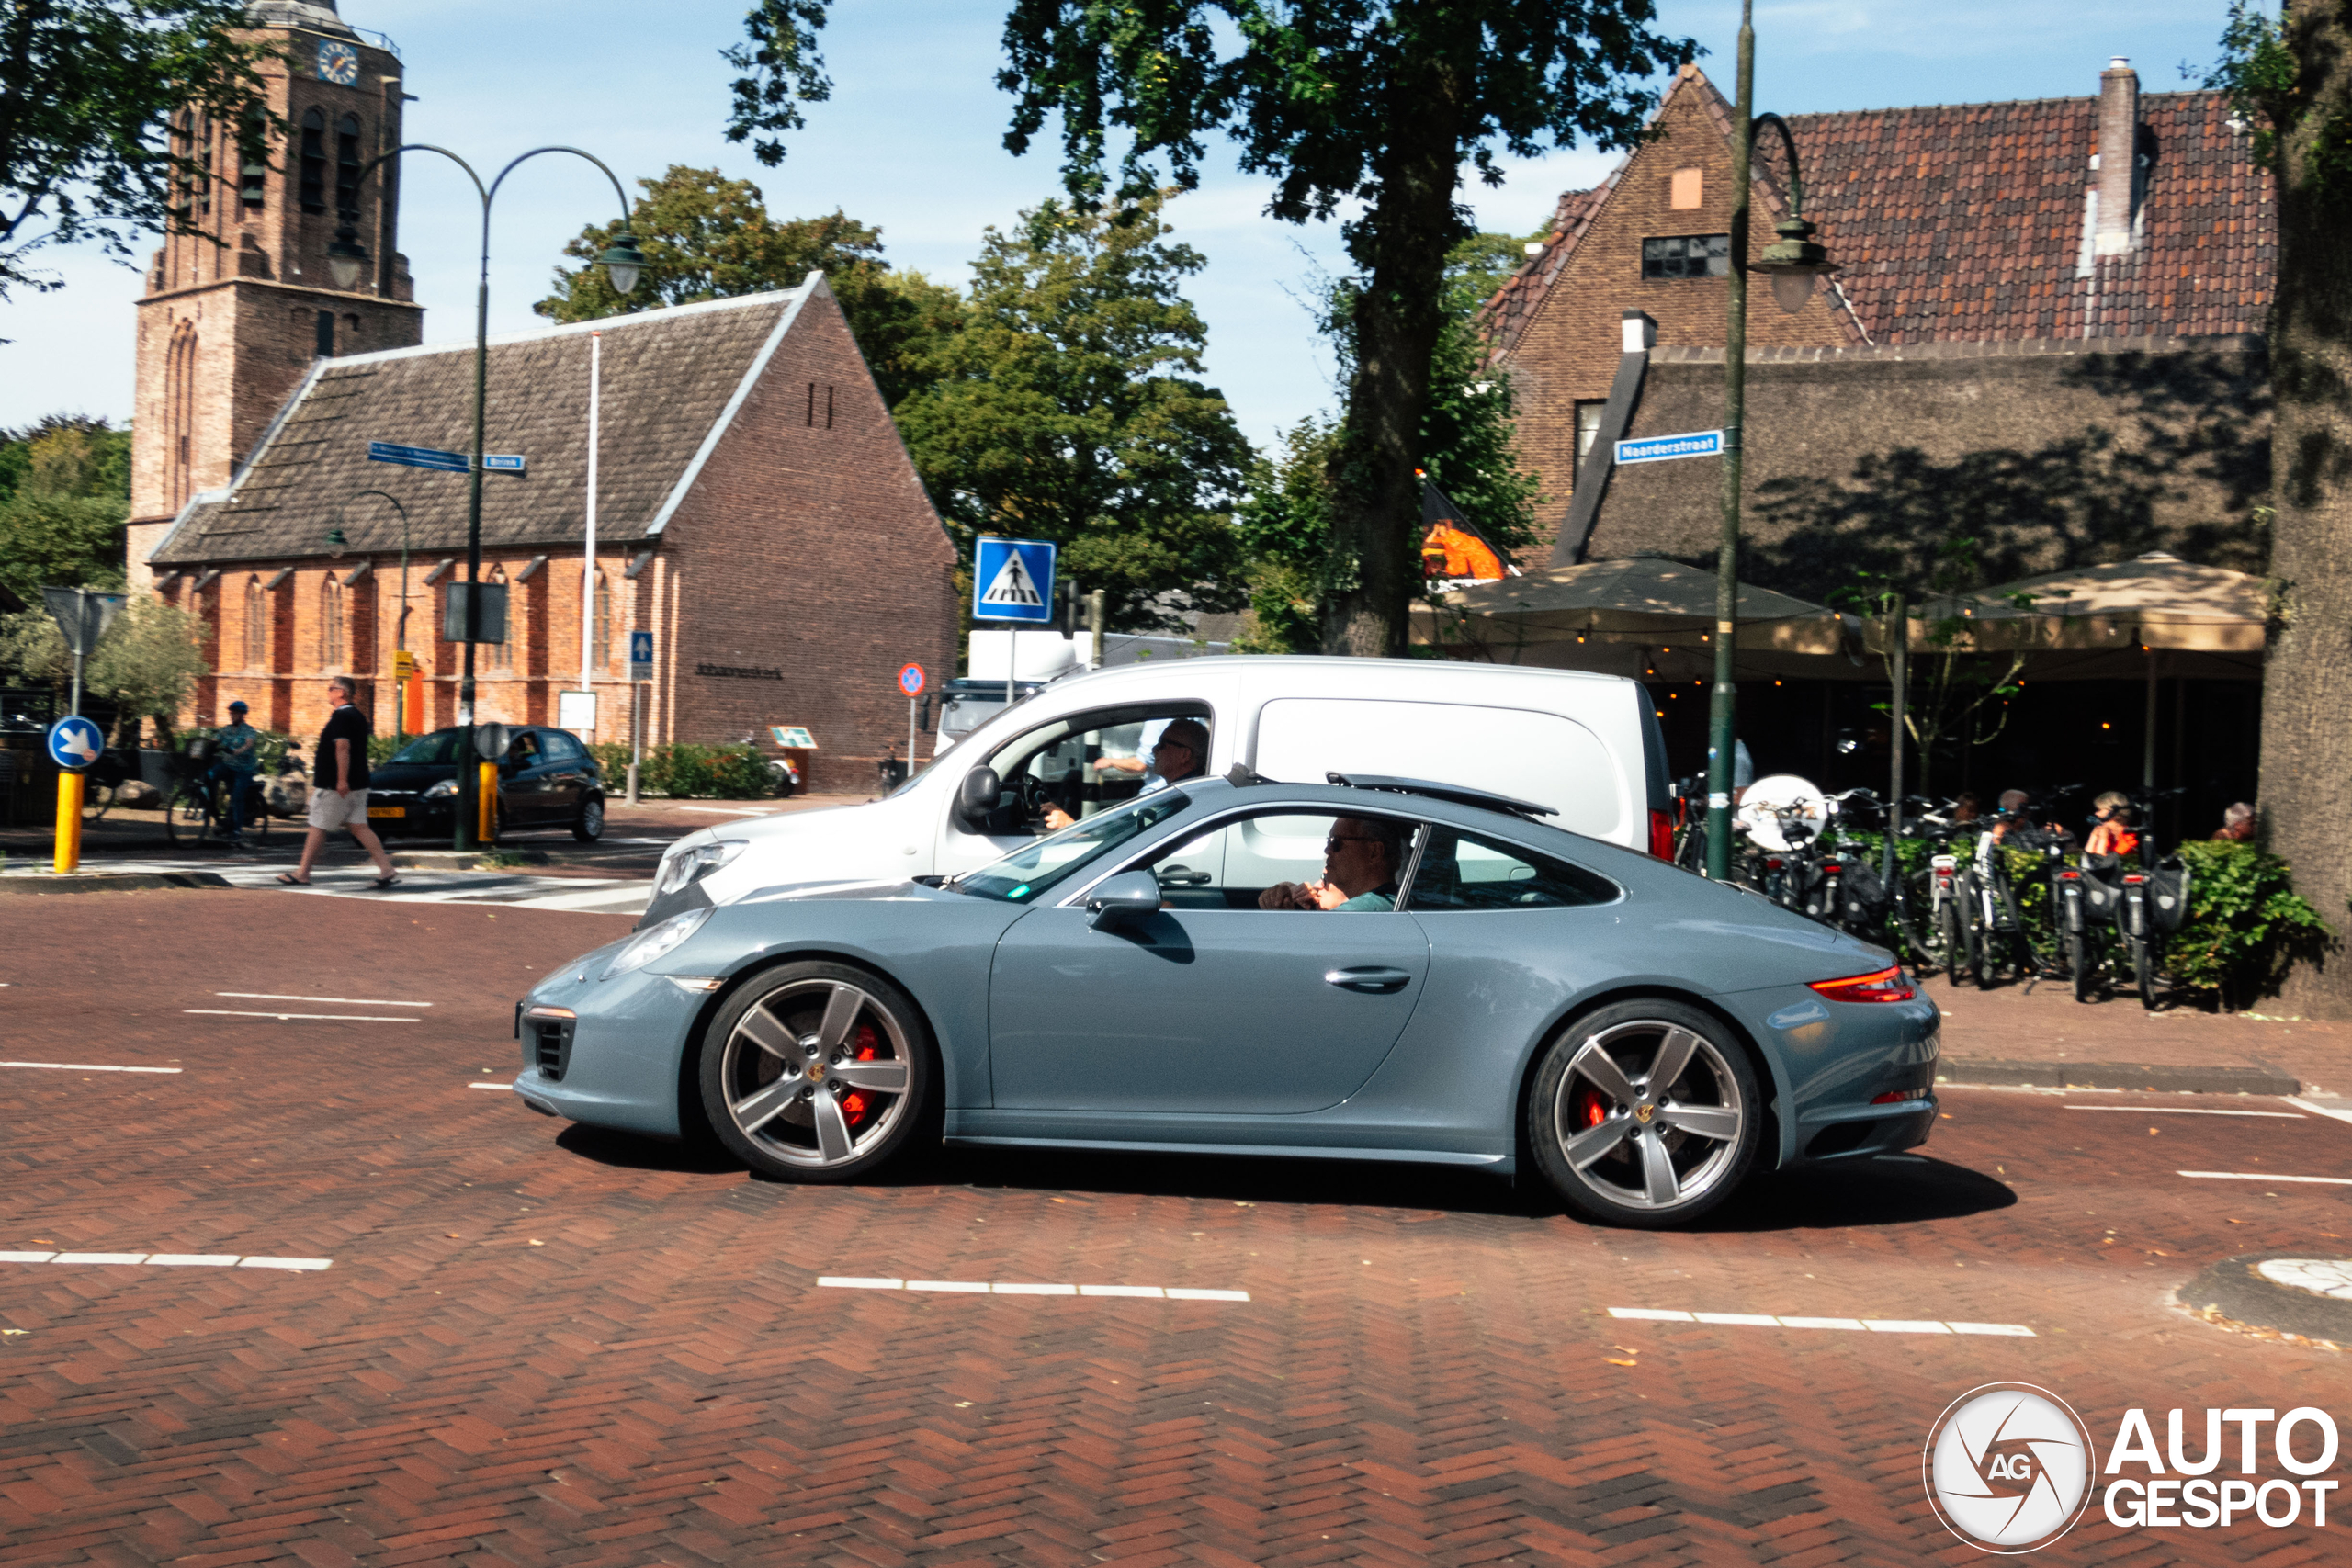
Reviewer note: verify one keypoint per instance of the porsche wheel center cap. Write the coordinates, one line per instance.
(816, 1072)
(1643, 1111)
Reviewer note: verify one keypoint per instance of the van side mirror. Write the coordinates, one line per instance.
(977, 796)
(1130, 896)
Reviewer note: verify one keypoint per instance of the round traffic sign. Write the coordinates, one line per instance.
(74, 742)
(910, 679)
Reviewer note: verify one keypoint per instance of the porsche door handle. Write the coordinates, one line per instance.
(1368, 980)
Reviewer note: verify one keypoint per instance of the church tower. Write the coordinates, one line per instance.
(234, 317)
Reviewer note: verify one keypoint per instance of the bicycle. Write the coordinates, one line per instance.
(2153, 905)
(197, 807)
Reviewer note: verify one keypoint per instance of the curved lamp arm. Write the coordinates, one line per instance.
(1796, 179)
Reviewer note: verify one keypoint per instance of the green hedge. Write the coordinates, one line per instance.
(684, 771)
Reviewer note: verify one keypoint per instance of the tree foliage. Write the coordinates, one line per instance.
(64, 495)
(145, 665)
(708, 237)
(88, 92)
(1067, 407)
(781, 70)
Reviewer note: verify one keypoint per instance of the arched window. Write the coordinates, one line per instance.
(500, 656)
(204, 140)
(347, 166)
(314, 161)
(332, 649)
(600, 641)
(179, 413)
(253, 160)
(256, 625)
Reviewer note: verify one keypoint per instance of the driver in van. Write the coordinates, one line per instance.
(1182, 752)
(1361, 860)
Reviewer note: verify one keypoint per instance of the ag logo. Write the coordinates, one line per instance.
(2008, 1468)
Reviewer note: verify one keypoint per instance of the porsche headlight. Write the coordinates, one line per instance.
(682, 866)
(656, 940)
(443, 789)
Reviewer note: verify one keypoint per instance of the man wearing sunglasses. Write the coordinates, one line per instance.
(1361, 860)
(1181, 753)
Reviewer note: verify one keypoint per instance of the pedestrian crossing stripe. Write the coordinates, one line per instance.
(1013, 585)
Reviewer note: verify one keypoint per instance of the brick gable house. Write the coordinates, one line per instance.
(2046, 323)
(757, 512)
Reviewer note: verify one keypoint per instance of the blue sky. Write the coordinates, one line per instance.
(912, 142)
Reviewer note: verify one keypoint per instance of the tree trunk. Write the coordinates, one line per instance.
(1400, 246)
(2307, 681)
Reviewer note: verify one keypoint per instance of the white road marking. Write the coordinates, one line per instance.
(173, 1260)
(1859, 1325)
(596, 892)
(984, 1287)
(346, 1001)
(87, 1068)
(489, 1085)
(726, 810)
(2258, 1176)
(2182, 1111)
(339, 1017)
(2320, 1109)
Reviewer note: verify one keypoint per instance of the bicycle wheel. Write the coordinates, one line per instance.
(1958, 960)
(256, 830)
(2143, 971)
(2081, 964)
(187, 817)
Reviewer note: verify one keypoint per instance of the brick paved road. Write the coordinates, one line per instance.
(539, 1345)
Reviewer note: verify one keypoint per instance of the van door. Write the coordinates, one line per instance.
(1531, 754)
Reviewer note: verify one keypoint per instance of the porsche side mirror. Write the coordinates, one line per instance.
(1130, 896)
(977, 796)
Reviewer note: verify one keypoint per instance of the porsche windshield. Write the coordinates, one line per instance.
(1020, 876)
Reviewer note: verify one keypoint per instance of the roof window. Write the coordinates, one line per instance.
(1687, 255)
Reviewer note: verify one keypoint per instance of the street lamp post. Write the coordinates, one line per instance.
(336, 542)
(1791, 262)
(347, 257)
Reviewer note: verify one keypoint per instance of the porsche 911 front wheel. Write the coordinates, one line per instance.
(817, 1072)
(1645, 1113)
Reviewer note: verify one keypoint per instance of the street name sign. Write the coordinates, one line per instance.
(1664, 448)
(641, 656)
(418, 457)
(1013, 580)
(503, 463)
(74, 742)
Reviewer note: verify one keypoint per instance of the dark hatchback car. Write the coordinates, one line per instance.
(547, 779)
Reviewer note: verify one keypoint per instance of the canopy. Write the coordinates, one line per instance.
(2150, 601)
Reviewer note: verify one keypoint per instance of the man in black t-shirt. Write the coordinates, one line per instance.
(339, 787)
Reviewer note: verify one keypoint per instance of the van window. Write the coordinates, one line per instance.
(1082, 763)
(1523, 752)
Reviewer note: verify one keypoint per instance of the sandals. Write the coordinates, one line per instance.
(291, 880)
(383, 883)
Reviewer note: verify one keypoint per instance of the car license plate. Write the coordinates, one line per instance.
(388, 811)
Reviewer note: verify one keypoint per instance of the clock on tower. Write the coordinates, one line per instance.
(338, 63)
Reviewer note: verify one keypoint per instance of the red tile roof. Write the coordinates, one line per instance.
(1965, 223)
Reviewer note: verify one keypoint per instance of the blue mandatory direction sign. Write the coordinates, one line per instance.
(1663, 448)
(418, 457)
(641, 656)
(74, 742)
(1013, 580)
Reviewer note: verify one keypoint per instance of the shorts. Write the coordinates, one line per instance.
(330, 810)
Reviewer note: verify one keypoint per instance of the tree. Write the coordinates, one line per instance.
(1284, 526)
(1066, 410)
(64, 496)
(145, 665)
(88, 90)
(2293, 80)
(707, 237)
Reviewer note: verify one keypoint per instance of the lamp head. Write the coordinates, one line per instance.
(346, 258)
(336, 543)
(622, 262)
(1793, 261)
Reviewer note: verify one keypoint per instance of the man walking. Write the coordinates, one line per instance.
(339, 787)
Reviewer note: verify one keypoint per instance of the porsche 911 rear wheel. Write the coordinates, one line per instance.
(1645, 1113)
(816, 1072)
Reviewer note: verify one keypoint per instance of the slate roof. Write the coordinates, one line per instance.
(1966, 223)
(668, 378)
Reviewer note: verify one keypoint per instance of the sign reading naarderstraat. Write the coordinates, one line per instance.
(1660, 448)
(738, 673)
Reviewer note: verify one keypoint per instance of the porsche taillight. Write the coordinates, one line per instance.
(1888, 985)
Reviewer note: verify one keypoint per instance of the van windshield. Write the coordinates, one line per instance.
(1019, 877)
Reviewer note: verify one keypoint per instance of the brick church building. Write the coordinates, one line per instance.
(756, 511)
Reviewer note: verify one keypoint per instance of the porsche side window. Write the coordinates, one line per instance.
(1460, 870)
(1231, 865)
(1021, 875)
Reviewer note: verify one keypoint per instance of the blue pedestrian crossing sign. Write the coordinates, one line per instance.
(74, 742)
(641, 656)
(1013, 580)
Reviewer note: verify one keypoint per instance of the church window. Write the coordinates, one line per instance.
(332, 647)
(256, 625)
(204, 139)
(346, 167)
(253, 159)
(600, 641)
(179, 413)
(314, 161)
(1687, 255)
(183, 151)
(499, 656)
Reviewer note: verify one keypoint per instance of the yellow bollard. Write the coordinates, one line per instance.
(486, 798)
(68, 823)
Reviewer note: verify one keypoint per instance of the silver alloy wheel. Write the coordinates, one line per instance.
(1649, 1114)
(792, 1072)
(591, 819)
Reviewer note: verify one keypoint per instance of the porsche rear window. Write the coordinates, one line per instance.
(1019, 877)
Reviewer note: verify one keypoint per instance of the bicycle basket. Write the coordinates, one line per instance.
(198, 750)
(2168, 894)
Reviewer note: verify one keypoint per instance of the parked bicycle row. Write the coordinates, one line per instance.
(1981, 899)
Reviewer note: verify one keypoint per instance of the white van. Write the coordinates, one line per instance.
(1588, 746)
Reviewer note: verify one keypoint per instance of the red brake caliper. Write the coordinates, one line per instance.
(1592, 1110)
(853, 1103)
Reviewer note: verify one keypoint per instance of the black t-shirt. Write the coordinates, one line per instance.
(347, 722)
